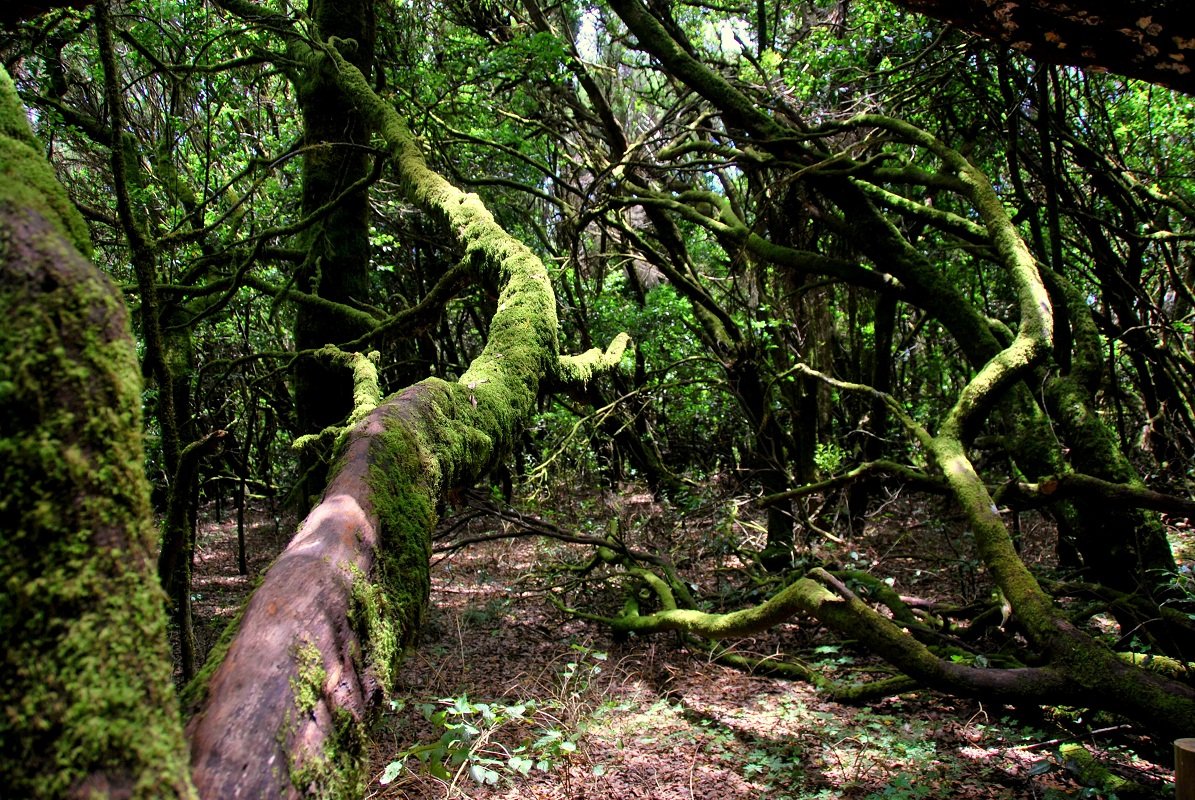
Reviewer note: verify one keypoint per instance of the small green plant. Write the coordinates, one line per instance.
(1181, 584)
(829, 657)
(469, 743)
(904, 787)
(473, 734)
(829, 458)
(579, 673)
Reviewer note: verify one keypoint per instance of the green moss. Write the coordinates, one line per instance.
(1170, 667)
(26, 179)
(403, 501)
(580, 368)
(338, 772)
(1091, 773)
(86, 699)
(373, 620)
(801, 597)
(13, 122)
(1032, 605)
(307, 683)
(85, 692)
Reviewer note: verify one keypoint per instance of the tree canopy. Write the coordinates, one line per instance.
(1150, 41)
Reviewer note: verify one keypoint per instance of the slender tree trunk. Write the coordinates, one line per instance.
(861, 492)
(337, 264)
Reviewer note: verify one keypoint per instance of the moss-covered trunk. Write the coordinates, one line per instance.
(337, 244)
(86, 702)
(1094, 674)
(281, 711)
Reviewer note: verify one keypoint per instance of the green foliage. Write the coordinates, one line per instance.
(476, 738)
(851, 751)
(684, 398)
(829, 458)
(572, 153)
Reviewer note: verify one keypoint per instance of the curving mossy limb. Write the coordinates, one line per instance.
(367, 393)
(87, 708)
(352, 585)
(580, 368)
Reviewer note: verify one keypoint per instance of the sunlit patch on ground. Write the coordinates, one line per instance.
(516, 701)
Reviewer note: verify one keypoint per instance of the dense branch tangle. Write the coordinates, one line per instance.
(290, 688)
(1004, 361)
(367, 543)
(735, 197)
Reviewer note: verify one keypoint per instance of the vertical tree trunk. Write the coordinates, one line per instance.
(337, 264)
(86, 702)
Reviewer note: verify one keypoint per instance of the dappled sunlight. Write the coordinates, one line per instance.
(651, 718)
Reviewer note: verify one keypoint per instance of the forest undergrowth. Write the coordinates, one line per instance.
(507, 697)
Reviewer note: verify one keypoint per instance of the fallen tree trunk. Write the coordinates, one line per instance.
(280, 712)
(280, 709)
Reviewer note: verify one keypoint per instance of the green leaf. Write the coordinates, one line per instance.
(482, 775)
(392, 771)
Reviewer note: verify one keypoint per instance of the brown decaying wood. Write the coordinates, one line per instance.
(1184, 769)
(303, 601)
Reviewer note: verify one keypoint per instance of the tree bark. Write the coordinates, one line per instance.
(86, 702)
(1151, 41)
(337, 246)
(281, 711)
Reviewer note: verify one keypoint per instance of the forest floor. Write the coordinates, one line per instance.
(508, 697)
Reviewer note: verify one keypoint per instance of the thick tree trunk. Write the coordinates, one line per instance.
(86, 702)
(337, 246)
(280, 710)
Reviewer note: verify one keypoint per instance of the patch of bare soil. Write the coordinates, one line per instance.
(509, 697)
